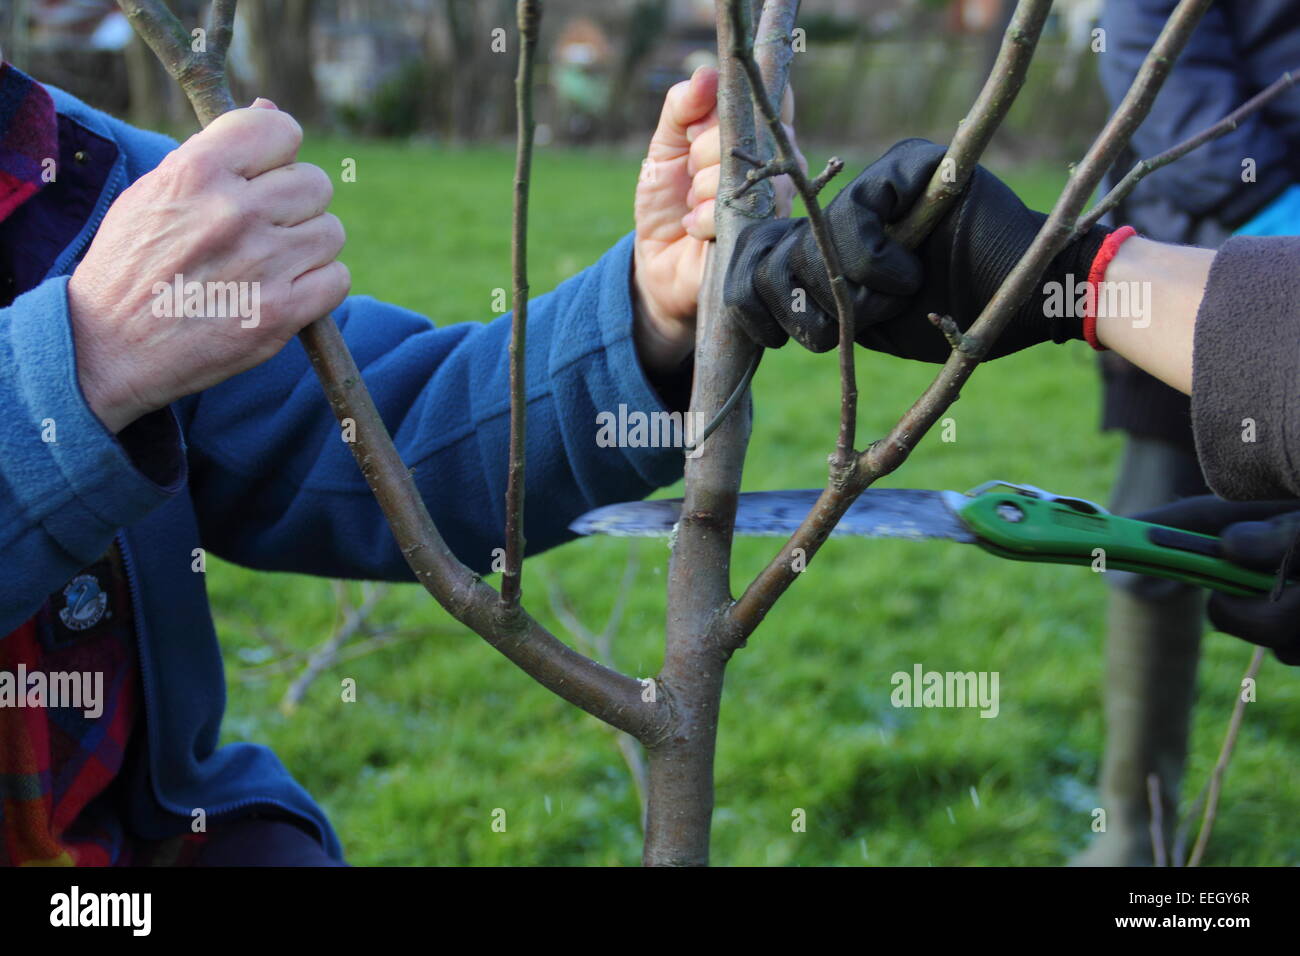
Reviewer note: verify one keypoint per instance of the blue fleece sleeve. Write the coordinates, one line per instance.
(66, 483)
(276, 486)
(1281, 217)
(1205, 85)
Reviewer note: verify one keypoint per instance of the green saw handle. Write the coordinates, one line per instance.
(1023, 528)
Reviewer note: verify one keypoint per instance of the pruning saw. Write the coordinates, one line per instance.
(1018, 522)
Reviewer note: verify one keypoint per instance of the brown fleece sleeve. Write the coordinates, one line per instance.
(1246, 370)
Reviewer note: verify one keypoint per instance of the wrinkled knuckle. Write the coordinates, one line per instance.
(343, 279)
(676, 93)
(227, 215)
(334, 231)
(294, 130)
(186, 172)
(321, 183)
(275, 308)
(289, 126)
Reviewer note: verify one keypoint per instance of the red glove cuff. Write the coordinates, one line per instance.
(1109, 248)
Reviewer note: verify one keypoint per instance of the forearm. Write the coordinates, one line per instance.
(1171, 281)
(268, 435)
(66, 484)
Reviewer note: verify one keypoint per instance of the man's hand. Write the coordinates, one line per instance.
(230, 205)
(954, 272)
(1262, 535)
(675, 199)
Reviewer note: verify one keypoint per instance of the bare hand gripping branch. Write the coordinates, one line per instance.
(613, 697)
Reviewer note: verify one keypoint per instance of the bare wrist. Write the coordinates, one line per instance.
(661, 346)
(103, 386)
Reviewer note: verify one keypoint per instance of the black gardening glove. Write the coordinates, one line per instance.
(955, 272)
(1265, 536)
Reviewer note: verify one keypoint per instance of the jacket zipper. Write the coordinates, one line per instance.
(92, 225)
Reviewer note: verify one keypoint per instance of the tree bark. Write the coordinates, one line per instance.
(699, 577)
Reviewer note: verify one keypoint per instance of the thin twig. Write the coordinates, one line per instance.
(732, 401)
(959, 340)
(601, 646)
(788, 163)
(325, 656)
(1184, 825)
(1144, 167)
(529, 14)
(834, 166)
(1225, 757)
(1157, 820)
(765, 171)
(375, 641)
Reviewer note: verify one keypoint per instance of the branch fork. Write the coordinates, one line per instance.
(498, 618)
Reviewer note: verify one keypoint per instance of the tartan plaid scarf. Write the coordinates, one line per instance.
(28, 138)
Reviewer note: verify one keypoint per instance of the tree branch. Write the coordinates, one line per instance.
(1215, 786)
(159, 28)
(767, 106)
(221, 27)
(201, 73)
(602, 646)
(977, 128)
(885, 455)
(324, 656)
(529, 13)
(1144, 167)
(614, 698)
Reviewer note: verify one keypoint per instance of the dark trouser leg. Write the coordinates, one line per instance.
(1153, 640)
(263, 842)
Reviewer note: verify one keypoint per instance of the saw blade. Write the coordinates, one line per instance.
(877, 513)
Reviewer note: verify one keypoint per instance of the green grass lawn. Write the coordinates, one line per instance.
(445, 730)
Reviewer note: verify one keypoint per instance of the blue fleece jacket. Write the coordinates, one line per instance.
(254, 471)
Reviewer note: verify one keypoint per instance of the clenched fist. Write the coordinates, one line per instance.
(205, 267)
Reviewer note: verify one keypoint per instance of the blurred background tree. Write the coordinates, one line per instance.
(429, 68)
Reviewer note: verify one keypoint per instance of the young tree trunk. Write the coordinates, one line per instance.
(699, 578)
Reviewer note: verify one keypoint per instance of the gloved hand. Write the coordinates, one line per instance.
(955, 271)
(1263, 535)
